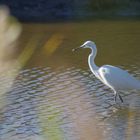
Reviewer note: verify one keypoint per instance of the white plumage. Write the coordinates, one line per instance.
(113, 77)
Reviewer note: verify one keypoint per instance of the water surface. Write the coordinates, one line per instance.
(56, 97)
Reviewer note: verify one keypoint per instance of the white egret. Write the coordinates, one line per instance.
(113, 77)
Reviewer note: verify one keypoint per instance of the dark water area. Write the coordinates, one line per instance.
(61, 10)
(56, 97)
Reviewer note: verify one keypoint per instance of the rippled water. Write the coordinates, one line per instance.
(49, 101)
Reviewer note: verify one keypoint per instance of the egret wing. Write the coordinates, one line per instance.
(117, 78)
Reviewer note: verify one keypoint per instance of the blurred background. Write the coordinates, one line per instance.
(50, 10)
(47, 92)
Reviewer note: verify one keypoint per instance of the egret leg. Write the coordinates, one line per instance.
(120, 98)
(115, 98)
(116, 94)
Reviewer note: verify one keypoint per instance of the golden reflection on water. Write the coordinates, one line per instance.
(53, 43)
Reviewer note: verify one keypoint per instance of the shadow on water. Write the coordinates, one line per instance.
(55, 97)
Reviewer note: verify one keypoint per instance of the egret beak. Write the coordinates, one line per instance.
(76, 49)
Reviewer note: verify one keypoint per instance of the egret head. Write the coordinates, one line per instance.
(87, 44)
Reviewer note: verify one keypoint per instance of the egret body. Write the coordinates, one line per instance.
(113, 77)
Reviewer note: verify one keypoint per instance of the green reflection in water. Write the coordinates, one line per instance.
(50, 123)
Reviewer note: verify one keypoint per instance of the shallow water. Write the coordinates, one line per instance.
(56, 97)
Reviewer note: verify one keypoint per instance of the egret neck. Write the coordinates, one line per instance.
(93, 67)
